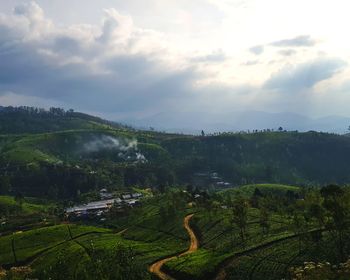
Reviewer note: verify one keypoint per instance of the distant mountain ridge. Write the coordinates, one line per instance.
(194, 122)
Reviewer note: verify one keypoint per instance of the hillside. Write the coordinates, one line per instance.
(186, 235)
(275, 216)
(19, 120)
(65, 155)
(264, 189)
(274, 157)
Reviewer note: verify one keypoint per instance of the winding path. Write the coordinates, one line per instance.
(156, 267)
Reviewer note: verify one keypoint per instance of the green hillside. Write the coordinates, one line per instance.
(265, 189)
(19, 120)
(237, 238)
(28, 206)
(76, 249)
(66, 160)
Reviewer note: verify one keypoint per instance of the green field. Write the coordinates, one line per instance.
(29, 206)
(219, 240)
(73, 246)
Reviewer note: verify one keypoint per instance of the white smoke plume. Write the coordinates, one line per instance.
(127, 147)
(106, 142)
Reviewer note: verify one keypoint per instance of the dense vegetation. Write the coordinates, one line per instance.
(60, 154)
(18, 120)
(267, 235)
(280, 219)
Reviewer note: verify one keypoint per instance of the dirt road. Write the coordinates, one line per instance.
(157, 266)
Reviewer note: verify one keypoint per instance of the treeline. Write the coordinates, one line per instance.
(65, 181)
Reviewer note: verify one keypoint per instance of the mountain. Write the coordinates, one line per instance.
(194, 122)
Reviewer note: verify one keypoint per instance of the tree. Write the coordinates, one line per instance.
(202, 133)
(240, 216)
(337, 202)
(19, 198)
(5, 184)
(264, 217)
(257, 195)
(299, 227)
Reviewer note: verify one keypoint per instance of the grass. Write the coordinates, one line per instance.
(248, 190)
(273, 262)
(54, 147)
(29, 243)
(219, 239)
(28, 155)
(49, 247)
(28, 207)
(152, 238)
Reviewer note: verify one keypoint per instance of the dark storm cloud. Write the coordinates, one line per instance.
(88, 74)
(304, 76)
(130, 84)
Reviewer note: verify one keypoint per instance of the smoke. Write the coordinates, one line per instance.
(105, 142)
(140, 158)
(127, 148)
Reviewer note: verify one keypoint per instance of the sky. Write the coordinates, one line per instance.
(133, 60)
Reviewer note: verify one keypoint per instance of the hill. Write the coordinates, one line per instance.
(19, 120)
(63, 154)
(276, 157)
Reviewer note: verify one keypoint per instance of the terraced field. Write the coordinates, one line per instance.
(73, 248)
(273, 262)
(219, 241)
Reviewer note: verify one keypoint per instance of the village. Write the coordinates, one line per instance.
(98, 209)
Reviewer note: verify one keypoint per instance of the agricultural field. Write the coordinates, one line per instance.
(155, 233)
(28, 205)
(74, 246)
(219, 239)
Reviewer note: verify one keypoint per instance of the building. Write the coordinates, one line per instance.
(104, 194)
(92, 207)
(98, 208)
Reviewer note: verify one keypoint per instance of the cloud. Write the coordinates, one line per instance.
(251, 62)
(215, 56)
(299, 41)
(257, 50)
(115, 67)
(305, 75)
(288, 52)
(116, 27)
